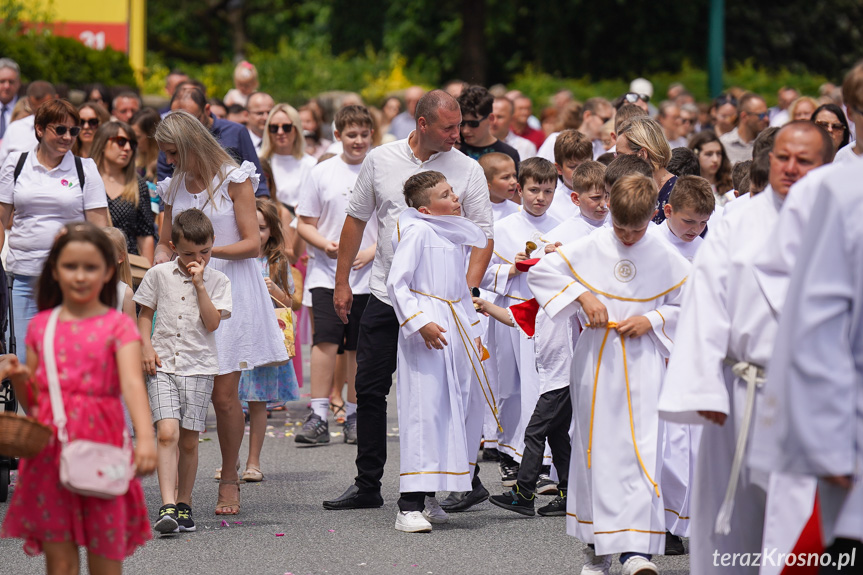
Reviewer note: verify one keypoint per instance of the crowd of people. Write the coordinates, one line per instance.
(622, 304)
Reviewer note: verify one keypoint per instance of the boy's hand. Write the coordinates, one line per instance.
(552, 247)
(150, 360)
(478, 342)
(332, 250)
(479, 305)
(433, 335)
(196, 270)
(145, 458)
(635, 326)
(364, 258)
(520, 257)
(843, 481)
(596, 312)
(714, 416)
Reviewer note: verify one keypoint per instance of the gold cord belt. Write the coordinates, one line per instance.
(608, 327)
(471, 353)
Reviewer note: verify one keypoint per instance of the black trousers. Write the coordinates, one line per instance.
(377, 351)
(550, 420)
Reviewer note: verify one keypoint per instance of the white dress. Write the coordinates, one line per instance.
(251, 336)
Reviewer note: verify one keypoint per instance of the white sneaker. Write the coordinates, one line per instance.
(433, 512)
(638, 565)
(595, 564)
(412, 522)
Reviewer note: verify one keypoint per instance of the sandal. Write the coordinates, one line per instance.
(218, 475)
(252, 475)
(339, 413)
(231, 505)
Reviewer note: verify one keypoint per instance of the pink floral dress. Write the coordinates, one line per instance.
(41, 509)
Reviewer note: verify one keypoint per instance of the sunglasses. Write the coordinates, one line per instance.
(61, 130)
(286, 128)
(91, 123)
(121, 142)
(632, 97)
(474, 123)
(830, 127)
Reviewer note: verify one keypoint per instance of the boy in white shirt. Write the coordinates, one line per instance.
(590, 196)
(571, 149)
(321, 212)
(181, 357)
(502, 176)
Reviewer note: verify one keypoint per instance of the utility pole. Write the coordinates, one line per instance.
(716, 47)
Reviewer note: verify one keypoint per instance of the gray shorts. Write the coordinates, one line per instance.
(182, 397)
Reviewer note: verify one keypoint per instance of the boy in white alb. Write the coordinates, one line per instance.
(436, 366)
(181, 357)
(570, 150)
(514, 354)
(590, 196)
(482, 427)
(687, 211)
(624, 284)
(321, 212)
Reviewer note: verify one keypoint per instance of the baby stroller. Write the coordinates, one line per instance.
(7, 394)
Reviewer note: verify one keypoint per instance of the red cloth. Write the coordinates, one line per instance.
(535, 136)
(809, 542)
(41, 510)
(524, 314)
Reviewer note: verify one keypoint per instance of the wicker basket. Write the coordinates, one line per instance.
(22, 436)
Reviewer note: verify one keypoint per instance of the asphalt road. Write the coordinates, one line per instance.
(282, 528)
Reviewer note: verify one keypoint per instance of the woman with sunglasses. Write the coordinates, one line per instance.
(831, 118)
(285, 148)
(47, 194)
(114, 150)
(92, 116)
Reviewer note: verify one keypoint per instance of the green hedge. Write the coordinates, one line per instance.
(64, 60)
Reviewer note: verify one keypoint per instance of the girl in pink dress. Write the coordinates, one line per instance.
(98, 358)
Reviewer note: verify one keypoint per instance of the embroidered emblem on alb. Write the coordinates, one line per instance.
(624, 271)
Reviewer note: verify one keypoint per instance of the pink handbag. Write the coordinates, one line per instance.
(86, 467)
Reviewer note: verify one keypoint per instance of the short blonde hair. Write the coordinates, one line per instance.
(633, 200)
(299, 148)
(644, 133)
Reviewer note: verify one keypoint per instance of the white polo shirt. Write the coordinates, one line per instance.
(379, 193)
(44, 201)
(180, 338)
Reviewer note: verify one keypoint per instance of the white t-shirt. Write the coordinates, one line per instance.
(289, 173)
(378, 194)
(846, 153)
(326, 193)
(546, 150)
(503, 209)
(20, 137)
(44, 201)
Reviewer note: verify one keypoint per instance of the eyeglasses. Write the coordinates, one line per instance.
(286, 128)
(91, 123)
(61, 130)
(687, 120)
(121, 141)
(830, 127)
(761, 116)
(474, 123)
(632, 97)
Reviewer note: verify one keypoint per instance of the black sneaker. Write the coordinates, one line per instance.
(458, 501)
(545, 485)
(315, 431)
(557, 507)
(515, 501)
(508, 472)
(350, 429)
(490, 454)
(184, 517)
(167, 522)
(674, 545)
